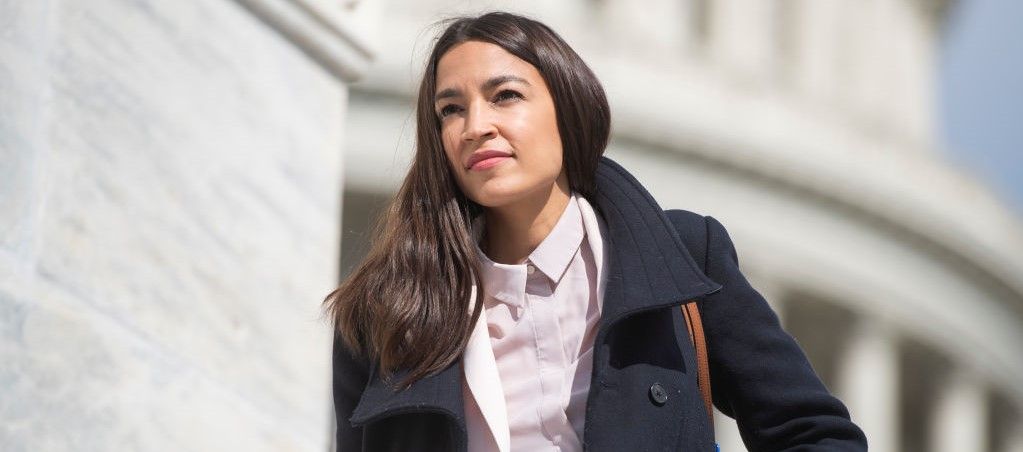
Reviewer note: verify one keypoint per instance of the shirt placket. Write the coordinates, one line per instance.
(550, 354)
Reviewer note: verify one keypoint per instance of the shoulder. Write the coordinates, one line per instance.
(686, 221)
(692, 229)
(704, 236)
(691, 224)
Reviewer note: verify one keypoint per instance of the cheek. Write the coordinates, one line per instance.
(545, 142)
(540, 129)
(557, 163)
(450, 149)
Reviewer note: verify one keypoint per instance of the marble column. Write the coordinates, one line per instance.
(169, 215)
(867, 381)
(960, 415)
(815, 71)
(742, 36)
(1014, 442)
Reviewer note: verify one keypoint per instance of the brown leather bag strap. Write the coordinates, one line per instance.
(695, 327)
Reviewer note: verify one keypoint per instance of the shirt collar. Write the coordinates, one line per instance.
(504, 282)
(556, 251)
(507, 282)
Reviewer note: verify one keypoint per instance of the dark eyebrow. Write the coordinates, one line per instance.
(490, 84)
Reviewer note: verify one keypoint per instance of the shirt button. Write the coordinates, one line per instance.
(530, 269)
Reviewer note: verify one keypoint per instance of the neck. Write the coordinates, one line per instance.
(515, 230)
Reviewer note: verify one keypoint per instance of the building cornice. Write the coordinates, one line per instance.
(320, 33)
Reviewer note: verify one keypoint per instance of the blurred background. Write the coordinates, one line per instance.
(181, 183)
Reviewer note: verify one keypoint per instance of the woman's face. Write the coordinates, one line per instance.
(498, 125)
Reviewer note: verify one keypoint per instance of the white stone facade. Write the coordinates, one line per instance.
(806, 127)
(170, 178)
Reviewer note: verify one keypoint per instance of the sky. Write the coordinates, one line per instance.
(980, 93)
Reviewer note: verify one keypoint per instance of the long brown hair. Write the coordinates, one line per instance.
(407, 304)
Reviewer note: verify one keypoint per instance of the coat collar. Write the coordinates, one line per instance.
(648, 267)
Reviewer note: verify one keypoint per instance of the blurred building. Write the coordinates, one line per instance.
(807, 128)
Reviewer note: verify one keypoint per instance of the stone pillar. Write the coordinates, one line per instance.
(818, 23)
(169, 215)
(867, 381)
(1014, 442)
(742, 36)
(960, 415)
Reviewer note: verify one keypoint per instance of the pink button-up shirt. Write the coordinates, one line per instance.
(542, 318)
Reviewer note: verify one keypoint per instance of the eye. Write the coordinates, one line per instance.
(448, 110)
(507, 94)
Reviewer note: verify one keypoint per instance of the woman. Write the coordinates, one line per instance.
(523, 291)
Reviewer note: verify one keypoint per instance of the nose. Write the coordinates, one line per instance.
(479, 126)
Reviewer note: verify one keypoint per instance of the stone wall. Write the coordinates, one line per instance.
(170, 182)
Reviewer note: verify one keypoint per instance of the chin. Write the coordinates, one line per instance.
(496, 194)
(490, 198)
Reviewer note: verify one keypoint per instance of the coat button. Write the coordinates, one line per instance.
(658, 395)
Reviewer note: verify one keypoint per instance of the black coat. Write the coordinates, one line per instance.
(658, 260)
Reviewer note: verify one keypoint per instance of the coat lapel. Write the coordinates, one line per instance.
(484, 382)
(440, 393)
